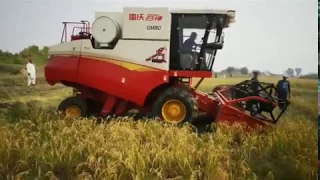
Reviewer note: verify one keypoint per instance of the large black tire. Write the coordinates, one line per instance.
(178, 95)
(74, 102)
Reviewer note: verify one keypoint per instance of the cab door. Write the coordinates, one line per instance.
(175, 42)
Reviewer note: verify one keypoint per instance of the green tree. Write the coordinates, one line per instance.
(39, 56)
(230, 70)
(298, 71)
(244, 70)
(290, 72)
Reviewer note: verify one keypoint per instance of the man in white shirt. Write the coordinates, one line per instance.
(31, 70)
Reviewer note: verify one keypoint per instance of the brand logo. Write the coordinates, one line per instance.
(145, 17)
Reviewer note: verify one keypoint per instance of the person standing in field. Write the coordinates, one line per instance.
(31, 70)
(255, 81)
(284, 90)
(253, 105)
(255, 76)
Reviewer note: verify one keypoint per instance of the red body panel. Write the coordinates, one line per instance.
(75, 37)
(207, 103)
(204, 74)
(61, 68)
(232, 115)
(110, 76)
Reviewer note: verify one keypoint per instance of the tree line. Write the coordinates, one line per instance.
(39, 56)
(244, 71)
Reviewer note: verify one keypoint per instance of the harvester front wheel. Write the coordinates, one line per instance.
(73, 107)
(174, 106)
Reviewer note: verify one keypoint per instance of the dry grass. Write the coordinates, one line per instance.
(37, 143)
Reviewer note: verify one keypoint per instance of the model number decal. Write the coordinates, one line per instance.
(153, 27)
(145, 17)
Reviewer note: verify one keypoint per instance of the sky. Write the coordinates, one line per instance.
(267, 35)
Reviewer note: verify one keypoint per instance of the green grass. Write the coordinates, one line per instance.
(35, 142)
(10, 69)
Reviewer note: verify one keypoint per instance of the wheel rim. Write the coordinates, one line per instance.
(174, 111)
(73, 111)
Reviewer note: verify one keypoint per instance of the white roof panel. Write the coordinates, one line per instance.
(201, 11)
(229, 12)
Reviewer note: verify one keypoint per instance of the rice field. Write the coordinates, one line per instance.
(37, 143)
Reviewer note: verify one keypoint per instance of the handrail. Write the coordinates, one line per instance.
(86, 30)
(85, 27)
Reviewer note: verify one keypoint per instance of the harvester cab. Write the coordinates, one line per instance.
(195, 39)
(144, 59)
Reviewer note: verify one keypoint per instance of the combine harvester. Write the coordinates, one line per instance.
(135, 60)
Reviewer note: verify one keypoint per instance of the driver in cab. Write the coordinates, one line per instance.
(190, 42)
(187, 59)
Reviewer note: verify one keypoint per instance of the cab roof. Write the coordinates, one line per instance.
(229, 12)
(202, 11)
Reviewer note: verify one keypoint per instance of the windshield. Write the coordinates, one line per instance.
(200, 32)
(208, 54)
(192, 31)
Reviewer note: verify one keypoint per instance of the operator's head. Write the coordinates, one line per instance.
(255, 73)
(284, 77)
(193, 35)
(30, 60)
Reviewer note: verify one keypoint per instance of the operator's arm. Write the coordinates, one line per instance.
(194, 44)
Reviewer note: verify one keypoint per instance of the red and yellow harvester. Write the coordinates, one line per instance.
(137, 59)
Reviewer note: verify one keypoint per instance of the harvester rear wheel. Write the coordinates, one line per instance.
(175, 106)
(73, 107)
